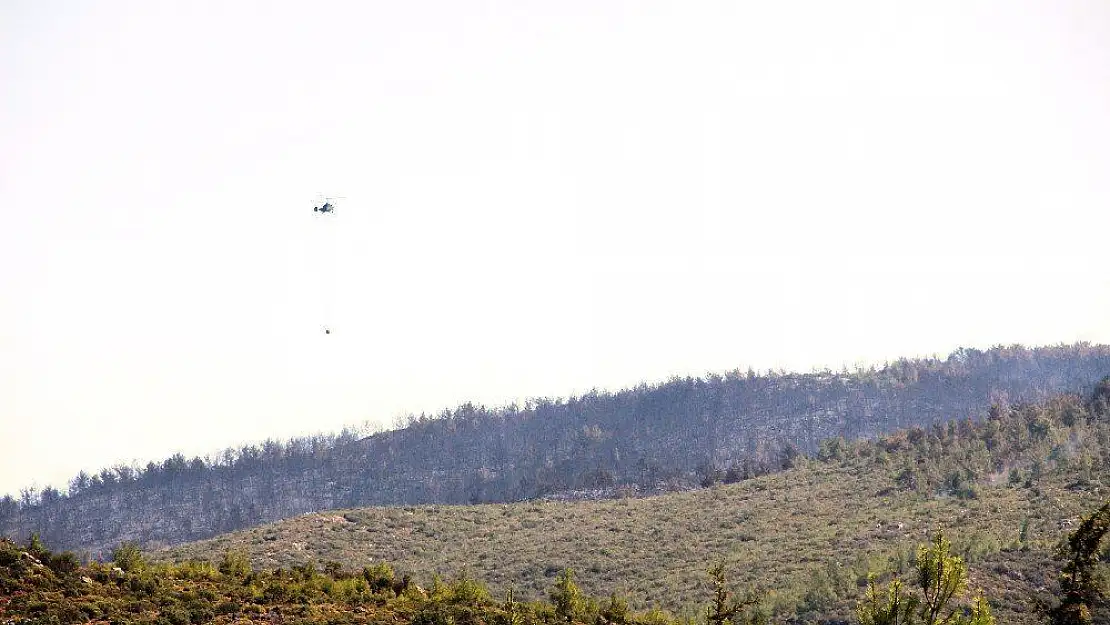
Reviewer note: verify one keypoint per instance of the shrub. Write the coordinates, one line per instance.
(235, 563)
(1081, 585)
(196, 569)
(275, 592)
(434, 613)
(36, 548)
(941, 577)
(175, 615)
(64, 563)
(566, 597)
(469, 591)
(229, 607)
(129, 557)
(380, 577)
(304, 572)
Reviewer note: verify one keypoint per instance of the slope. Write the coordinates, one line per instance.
(649, 439)
(1005, 490)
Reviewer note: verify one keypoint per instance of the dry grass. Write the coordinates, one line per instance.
(808, 535)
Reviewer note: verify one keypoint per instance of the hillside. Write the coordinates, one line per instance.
(649, 439)
(40, 586)
(1006, 491)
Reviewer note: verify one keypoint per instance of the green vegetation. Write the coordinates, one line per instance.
(644, 440)
(1007, 490)
(1082, 584)
(37, 586)
(129, 557)
(196, 592)
(724, 610)
(941, 577)
(836, 538)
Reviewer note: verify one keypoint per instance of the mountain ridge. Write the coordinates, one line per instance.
(1007, 490)
(670, 436)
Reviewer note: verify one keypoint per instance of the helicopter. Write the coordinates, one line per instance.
(326, 207)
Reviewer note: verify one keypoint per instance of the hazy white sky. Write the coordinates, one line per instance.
(540, 198)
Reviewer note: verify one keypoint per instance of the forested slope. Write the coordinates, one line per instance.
(653, 438)
(1006, 490)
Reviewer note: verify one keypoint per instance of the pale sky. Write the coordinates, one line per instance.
(539, 198)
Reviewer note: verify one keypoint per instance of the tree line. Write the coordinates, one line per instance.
(44, 586)
(673, 435)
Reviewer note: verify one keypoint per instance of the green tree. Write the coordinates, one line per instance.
(895, 607)
(724, 609)
(941, 577)
(615, 611)
(566, 597)
(1082, 587)
(37, 548)
(380, 577)
(64, 563)
(235, 563)
(468, 590)
(980, 613)
(129, 557)
(510, 609)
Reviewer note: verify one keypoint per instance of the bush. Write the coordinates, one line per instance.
(140, 606)
(175, 615)
(36, 548)
(351, 590)
(304, 572)
(129, 557)
(145, 584)
(229, 607)
(196, 570)
(199, 610)
(236, 564)
(468, 591)
(380, 577)
(433, 614)
(566, 597)
(941, 577)
(64, 563)
(275, 592)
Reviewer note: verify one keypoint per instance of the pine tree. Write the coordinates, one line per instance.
(566, 597)
(941, 577)
(1082, 587)
(895, 608)
(723, 610)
